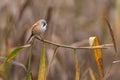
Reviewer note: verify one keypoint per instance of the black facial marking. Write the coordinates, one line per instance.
(44, 23)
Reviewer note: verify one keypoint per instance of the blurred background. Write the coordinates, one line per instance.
(70, 22)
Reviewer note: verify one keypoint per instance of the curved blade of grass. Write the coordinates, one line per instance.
(2, 60)
(112, 34)
(53, 57)
(43, 64)
(15, 52)
(77, 76)
(92, 75)
(93, 41)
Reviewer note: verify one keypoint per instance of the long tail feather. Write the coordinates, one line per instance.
(29, 39)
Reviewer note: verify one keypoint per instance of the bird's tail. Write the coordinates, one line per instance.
(29, 39)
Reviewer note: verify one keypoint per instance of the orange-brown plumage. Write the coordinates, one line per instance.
(38, 29)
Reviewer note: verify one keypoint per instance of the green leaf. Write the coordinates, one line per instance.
(43, 64)
(15, 52)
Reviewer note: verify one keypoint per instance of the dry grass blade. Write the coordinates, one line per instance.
(43, 64)
(77, 76)
(29, 74)
(53, 57)
(79, 43)
(112, 34)
(116, 61)
(84, 74)
(105, 46)
(93, 41)
(2, 59)
(92, 75)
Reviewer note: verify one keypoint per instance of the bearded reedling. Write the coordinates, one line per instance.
(38, 29)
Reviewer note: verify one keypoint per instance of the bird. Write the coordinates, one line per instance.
(38, 29)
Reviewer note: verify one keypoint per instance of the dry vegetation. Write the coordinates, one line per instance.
(70, 51)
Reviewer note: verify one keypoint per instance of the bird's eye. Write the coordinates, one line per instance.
(44, 24)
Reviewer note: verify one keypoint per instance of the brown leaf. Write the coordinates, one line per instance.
(98, 54)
